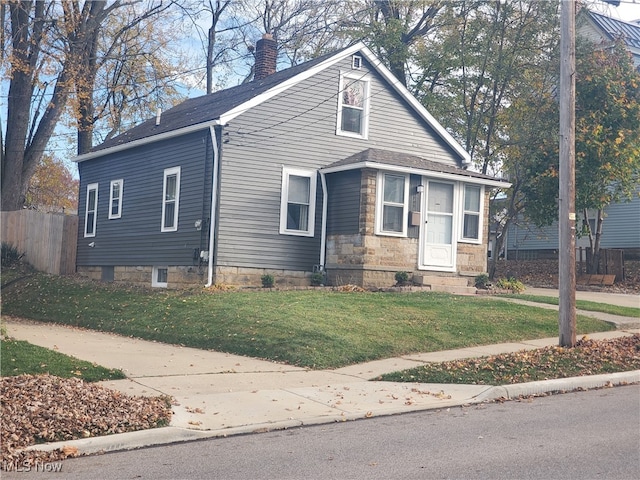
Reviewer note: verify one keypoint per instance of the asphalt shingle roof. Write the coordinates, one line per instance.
(207, 108)
(386, 157)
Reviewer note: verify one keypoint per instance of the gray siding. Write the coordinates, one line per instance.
(135, 238)
(297, 128)
(621, 229)
(344, 202)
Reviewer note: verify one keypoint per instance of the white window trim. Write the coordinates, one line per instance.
(168, 172)
(284, 200)
(480, 214)
(380, 204)
(356, 62)
(91, 186)
(365, 111)
(119, 213)
(154, 278)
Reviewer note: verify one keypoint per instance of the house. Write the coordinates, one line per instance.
(621, 230)
(603, 30)
(330, 166)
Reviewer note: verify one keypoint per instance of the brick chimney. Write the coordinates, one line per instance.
(266, 55)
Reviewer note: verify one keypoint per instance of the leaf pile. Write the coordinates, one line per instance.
(44, 408)
(588, 357)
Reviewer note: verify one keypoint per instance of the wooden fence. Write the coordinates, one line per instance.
(48, 240)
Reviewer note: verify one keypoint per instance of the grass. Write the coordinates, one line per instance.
(588, 357)
(19, 357)
(310, 328)
(583, 305)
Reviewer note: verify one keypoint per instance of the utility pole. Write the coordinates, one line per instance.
(566, 198)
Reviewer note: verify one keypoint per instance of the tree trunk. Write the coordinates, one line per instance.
(593, 266)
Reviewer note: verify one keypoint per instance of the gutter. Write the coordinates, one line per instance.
(323, 232)
(214, 202)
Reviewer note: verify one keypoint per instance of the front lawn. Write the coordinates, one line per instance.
(311, 328)
(588, 357)
(19, 357)
(582, 305)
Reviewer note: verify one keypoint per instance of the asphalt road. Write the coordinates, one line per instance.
(582, 435)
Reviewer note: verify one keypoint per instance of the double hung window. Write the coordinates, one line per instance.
(393, 194)
(353, 108)
(115, 199)
(471, 214)
(170, 199)
(91, 211)
(297, 202)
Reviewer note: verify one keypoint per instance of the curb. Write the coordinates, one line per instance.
(559, 385)
(171, 435)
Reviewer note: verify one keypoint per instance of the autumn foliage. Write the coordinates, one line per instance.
(52, 187)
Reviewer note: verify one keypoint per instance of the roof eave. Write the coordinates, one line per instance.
(145, 140)
(418, 171)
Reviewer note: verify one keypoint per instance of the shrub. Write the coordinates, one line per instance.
(482, 281)
(10, 255)
(516, 286)
(402, 278)
(267, 280)
(317, 279)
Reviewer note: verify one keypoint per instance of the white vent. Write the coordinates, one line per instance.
(356, 62)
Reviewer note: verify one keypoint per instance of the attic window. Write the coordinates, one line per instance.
(356, 62)
(353, 106)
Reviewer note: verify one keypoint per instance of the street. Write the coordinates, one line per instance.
(582, 435)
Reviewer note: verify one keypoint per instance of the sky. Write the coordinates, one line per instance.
(629, 10)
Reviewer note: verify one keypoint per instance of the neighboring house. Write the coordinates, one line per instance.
(621, 229)
(603, 30)
(330, 166)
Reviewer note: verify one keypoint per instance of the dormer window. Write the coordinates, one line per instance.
(353, 106)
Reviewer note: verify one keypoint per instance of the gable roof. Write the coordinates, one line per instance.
(396, 161)
(618, 29)
(221, 107)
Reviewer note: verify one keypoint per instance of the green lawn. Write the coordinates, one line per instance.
(19, 357)
(312, 328)
(582, 305)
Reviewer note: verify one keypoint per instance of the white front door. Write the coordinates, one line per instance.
(438, 245)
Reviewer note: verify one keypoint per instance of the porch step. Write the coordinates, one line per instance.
(457, 285)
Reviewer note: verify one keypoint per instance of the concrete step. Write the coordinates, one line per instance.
(438, 280)
(457, 290)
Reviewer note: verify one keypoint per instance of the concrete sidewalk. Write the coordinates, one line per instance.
(219, 394)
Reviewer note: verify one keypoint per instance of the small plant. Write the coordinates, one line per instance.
(267, 280)
(317, 279)
(516, 286)
(482, 281)
(402, 278)
(10, 255)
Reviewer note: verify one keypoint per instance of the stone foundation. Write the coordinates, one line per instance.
(177, 276)
(252, 277)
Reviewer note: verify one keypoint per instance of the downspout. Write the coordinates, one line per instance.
(214, 201)
(323, 232)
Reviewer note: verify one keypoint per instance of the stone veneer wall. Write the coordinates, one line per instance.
(177, 277)
(371, 261)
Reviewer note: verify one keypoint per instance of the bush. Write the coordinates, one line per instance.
(482, 281)
(516, 286)
(317, 279)
(402, 278)
(10, 255)
(267, 280)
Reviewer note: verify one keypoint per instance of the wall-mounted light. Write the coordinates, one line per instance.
(420, 188)
(92, 244)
